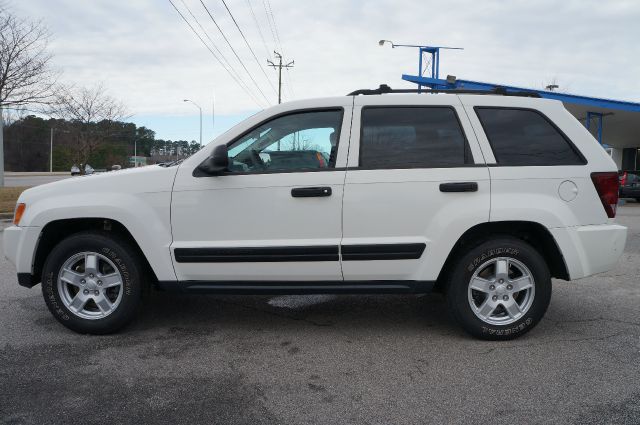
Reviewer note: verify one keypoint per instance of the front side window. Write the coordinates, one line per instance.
(523, 137)
(412, 137)
(298, 141)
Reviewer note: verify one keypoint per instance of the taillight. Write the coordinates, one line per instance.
(607, 185)
(623, 180)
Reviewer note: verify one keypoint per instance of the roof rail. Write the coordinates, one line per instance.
(384, 89)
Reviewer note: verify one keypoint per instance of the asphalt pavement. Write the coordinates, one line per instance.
(328, 359)
(34, 179)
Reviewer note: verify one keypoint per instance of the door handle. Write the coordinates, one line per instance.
(459, 187)
(310, 192)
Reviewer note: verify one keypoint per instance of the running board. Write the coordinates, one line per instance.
(297, 288)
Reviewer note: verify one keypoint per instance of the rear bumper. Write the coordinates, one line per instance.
(588, 250)
(628, 192)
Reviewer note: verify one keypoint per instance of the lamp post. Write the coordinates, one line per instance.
(198, 106)
(51, 152)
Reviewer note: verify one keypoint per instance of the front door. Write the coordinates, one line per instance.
(277, 214)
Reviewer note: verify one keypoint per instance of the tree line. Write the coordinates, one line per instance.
(101, 144)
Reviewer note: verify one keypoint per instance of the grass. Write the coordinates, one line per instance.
(9, 197)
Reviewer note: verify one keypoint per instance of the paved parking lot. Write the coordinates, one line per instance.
(328, 359)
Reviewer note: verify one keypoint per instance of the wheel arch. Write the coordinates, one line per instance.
(533, 233)
(57, 230)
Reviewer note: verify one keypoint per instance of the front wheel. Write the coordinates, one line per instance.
(91, 282)
(500, 289)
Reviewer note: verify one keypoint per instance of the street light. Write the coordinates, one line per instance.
(393, 45)
(434, 51)
(198, 106)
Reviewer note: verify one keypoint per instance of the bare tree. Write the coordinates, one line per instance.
(90, 113)
(26, 77)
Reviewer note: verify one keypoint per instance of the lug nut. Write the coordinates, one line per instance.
(509, 287)
(506, 297)
(99, 283)
(90, 274)
(495, 298)
(97, 292)
(86, 291)
(83, 281)
(492, 287)
(501, 281)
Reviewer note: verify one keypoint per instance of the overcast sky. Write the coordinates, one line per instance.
(148, 57)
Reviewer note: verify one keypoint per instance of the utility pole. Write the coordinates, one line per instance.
(279, 65)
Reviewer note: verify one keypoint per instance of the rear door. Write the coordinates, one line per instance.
(416, 180)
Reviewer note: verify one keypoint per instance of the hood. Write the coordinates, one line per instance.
(147, 179)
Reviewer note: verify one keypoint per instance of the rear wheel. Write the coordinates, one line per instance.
(91, 282)
(500, 289)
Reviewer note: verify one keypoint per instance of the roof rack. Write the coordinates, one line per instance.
(384, 89)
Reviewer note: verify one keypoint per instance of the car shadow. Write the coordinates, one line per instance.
(296, 312)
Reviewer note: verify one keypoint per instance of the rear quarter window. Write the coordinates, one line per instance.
(525, 137)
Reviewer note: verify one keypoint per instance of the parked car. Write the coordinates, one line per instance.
(75, 170)
(483, 197)
(630, 185)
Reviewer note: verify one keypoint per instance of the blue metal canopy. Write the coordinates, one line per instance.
(453, 83)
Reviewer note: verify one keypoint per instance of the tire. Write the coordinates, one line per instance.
(80, 282)
(515, 312)
(637, 199)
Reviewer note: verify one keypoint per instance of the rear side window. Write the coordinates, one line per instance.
(412, 137)
(524, 137)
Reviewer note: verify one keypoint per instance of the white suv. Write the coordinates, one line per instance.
(484, 197)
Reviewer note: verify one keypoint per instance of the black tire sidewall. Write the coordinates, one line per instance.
(121, 254)
(457, 290)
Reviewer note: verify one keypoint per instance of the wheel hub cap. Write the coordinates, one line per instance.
(501, 291)
(90, 285)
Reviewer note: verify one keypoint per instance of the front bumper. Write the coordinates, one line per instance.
(19, 246)
(588, 250)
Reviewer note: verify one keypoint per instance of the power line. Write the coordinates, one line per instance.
(213, 54)
(276, 36)
(234, 51)
(270, 24)
(248, 45)
(255, 20)
(237, 75)
(275, 27)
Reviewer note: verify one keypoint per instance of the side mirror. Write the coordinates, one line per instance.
(217, 163)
